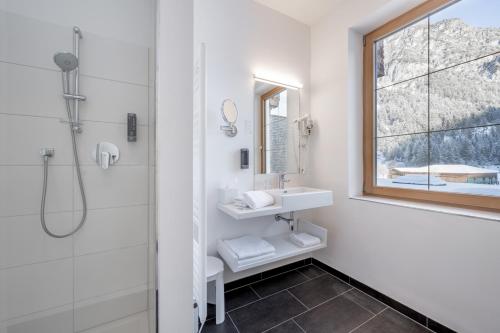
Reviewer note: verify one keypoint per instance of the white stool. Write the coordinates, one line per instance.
(215, 270)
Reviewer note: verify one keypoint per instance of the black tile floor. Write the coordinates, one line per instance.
(307, 299)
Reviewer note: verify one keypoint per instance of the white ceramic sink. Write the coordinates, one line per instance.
(299, 198)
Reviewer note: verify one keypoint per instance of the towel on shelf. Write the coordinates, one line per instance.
(239, 202)
(253, 260)
(304, 240)
(258, 199)
(246, 247)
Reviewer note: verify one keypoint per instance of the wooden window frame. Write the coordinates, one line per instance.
(263, 98)
(369, 166)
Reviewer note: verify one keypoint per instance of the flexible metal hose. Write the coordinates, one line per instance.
(78, 173)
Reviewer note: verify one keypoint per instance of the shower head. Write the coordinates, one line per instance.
(66, 61)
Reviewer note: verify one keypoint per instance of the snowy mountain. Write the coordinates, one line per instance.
(462, 92)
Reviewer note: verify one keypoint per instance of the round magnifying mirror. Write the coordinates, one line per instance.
(229, 111)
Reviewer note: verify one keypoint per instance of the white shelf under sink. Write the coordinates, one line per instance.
(284, 247)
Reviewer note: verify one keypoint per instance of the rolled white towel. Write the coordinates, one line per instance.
(258, 199)
(249, 247)
(304, 240)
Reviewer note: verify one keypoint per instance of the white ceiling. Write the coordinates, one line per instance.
(305, 11)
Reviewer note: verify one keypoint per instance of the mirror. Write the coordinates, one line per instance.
(230, 115)
(277, 110)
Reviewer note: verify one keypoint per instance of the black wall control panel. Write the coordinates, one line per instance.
(244, 158)
(131, 127)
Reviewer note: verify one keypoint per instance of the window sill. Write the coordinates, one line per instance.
(484, 215)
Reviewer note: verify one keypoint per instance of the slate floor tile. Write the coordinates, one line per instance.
(311, 271)
(287, 327)
(266, 313)
(319, 290)
(277, 283)
(339, 315)
(368, 302)
(391, 321)
(226, 327)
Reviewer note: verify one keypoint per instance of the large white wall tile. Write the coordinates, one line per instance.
(58, 320)
(31, 42)
(21, 189)
(31, 288)
(110, 101)
(112, 59)
(24, 41)
(133, 324)
(22, 137)
(107, 100)
(100, 310)
(109, 272)
(117, 186)
(23, 241)
(30, 91)
(113, 228)
(131, 153)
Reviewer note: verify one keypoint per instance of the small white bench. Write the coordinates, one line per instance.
(215, 272)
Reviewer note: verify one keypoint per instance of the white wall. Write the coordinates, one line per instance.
(445, 266)
(99, 278)
(243, 38)
(175, 165)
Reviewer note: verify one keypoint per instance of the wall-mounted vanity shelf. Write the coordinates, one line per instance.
(284, 247)
(287, 200)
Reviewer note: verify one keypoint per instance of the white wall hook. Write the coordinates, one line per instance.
(106, 154)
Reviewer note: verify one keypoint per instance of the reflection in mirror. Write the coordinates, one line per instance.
(230, 115)
(229, 111)
(276, 132)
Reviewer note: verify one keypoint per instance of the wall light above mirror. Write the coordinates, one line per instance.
(277, 138)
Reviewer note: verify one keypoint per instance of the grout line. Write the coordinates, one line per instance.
(81, 75)
(293, 320)
(297, 299)
(37, 312)
(254, 291)
(145, 285)
(62, 120)
(74, 256)
(308, 310)
(109, 321)
(373, 298)
(363, 323)
(263, 279)
(232, 321)
(265, 297)
(307, 277)
(77, 210)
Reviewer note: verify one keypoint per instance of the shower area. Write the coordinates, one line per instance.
(77, 166)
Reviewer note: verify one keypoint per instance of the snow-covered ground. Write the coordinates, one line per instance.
(477, 189)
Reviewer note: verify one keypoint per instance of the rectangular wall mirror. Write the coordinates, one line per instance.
(277, 140)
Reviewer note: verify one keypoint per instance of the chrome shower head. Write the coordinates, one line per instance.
(66, 61)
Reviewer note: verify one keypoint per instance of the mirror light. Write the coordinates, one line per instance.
(294, 86)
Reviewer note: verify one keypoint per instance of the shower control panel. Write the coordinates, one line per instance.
(131, 127)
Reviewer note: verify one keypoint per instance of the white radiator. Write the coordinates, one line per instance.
(199, 197)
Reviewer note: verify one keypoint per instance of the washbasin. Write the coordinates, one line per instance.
(299, 198)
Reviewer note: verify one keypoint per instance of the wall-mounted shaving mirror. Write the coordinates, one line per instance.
(277, 140)
(230, 115)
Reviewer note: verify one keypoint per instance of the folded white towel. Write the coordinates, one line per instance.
(304, 240)
(258, 199)
(249, 247)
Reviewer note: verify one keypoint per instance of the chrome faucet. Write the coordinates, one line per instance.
(282, 180)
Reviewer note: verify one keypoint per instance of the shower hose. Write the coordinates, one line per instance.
(80, 183)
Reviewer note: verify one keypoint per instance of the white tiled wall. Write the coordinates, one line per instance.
(102, 278)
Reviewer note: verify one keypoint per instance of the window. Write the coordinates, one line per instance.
(274, 129)
(432, 105)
